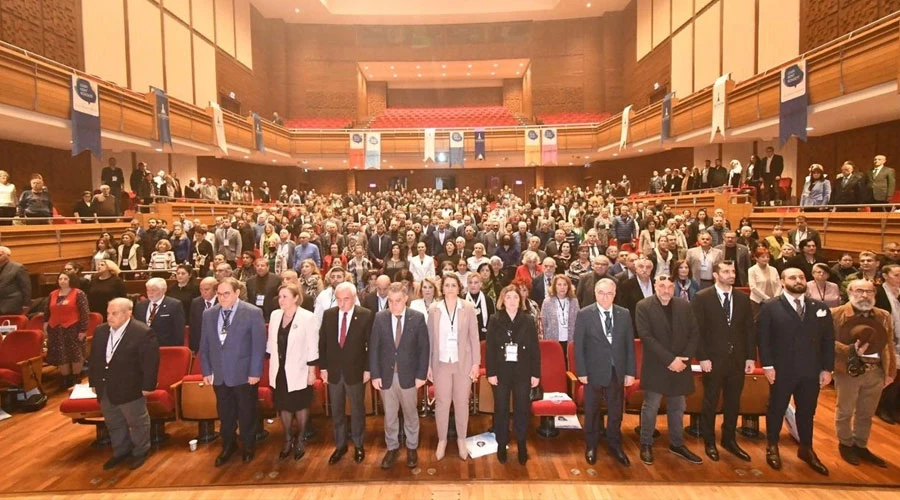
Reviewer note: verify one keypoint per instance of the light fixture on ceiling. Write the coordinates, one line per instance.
(296, 10)
(518, 72)
(159, 150)
(345, 161)
(468, 74)
(615, 154)
(588, 5)
(274, 160)
(321, 168)
(470, 66)
(246, 156)
(390, 166)
(419, 75)
(496, 164)
(496, 65)
(365, 67)
(443, 66)
(443, 74)
(587, 157)
(392, 66)
(570, 164)
(519, 182)
(395, 75)
(492, 73)
(370, 76)
(640, 150)
(655, 85)
(809, 129)
(383, 161)
(521, 65)
(418, 67)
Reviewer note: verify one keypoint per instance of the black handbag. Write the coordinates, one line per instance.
(537, 393)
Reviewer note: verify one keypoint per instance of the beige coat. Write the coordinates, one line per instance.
(469, 346)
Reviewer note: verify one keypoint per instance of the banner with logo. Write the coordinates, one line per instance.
(532, 146)
(373, 150)
(479, 144)
(162, 117)
(457, 148)
(626, 120)
(548, 147)
(718, 107)
(85, 117)
(257, 129)
(792, 114)
(357, 150)
(429, 144)
(219, 126)
(665, 130)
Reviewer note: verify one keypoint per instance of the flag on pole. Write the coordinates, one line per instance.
(718, 110)
(626, 120)
(665, 130)
(548, 147)
(373, 150)
(532, 146)
(479, 144)
(258, 132)
(85, 116)
(429, 144)
(357, 150)
(792, 113)
(162, 117)
(219, 126)
(457, 147)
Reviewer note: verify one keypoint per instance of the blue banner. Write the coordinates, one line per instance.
(162, 117)
(85, 117)
(792, 114)
(479, 144)
(257, 129)
(666, 129)
(457, 147)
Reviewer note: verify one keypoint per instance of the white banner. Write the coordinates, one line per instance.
(626, 120)
(718, 106)
(219, 124)
(429, 144)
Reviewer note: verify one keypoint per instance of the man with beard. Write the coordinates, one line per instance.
(796, 348)
(864, 341)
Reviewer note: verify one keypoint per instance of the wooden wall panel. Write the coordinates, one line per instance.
(431, 98)
(64, 175)
(858, 145)
(638, 169)
(824, 20)
(50, 28)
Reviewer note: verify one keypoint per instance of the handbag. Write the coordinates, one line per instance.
(537, 393)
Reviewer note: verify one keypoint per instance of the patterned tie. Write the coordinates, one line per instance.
(607, 323)
(726, 304)
(208, 304)
(799, 307)
(399, 332)
(343, 336)
(153, 309)
(226, 316)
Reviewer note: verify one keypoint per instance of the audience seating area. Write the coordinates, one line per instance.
(314, 123)
(567, 118)
(483, 116)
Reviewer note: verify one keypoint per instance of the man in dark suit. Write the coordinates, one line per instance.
(585, 289)
(796, 349)
(849, 188)
(439, 237)
(540, 286)
(379, 246)
(123, 367)
(604, 362)
(378, 301)
(803, 232)
(770, 168)
(636, 289)
(112, 176)
(164, 315)
(398, 359)
(882, 181)
(232, 352)
(206, 300)
(739, 255)
(343, 340)
(727, 350)
(15, 285)
(262, 289)
(668, 332)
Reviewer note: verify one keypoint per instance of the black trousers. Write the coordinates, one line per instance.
(890, 398)
(593, 418)
(337, 394)
(805, 391)
(521, 396)
(7, 212)
(237, 405)
(728, 381)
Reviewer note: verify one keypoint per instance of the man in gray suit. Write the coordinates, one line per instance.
(883, 182)
(15, 285)
(702, 259)
(737, 253)
(228, 242)
(398, 360)
(604, 362)
(232, 351)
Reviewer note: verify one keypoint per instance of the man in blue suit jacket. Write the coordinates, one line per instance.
(163, 314)
(232, 351)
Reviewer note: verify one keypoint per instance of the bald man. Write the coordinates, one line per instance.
(378, 301)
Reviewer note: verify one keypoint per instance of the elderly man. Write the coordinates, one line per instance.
(306, 250)
(15, 285)
(638, 288)
(164, 315)
(378, 301)
(702, 259)
(864, 364)
(223, 271)
(739, 255)
(599, 270)
(882, 181)
(206, 300)
(540, 286)
(284, 253)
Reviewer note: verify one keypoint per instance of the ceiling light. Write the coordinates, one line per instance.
(383, 161)
(159, 150)
(640, 150)
(492, 73)
(587, 157)
(521, 65)
(245, 157)
(497, 165)
(808, 129)
(419, 75)
(320, 168)
(395, 75)
(588, 4)
(470, 66)
(370, 76)
(345, 161)
(496, 65)
(392, 66)
(443, 74)
(518, 72)
(443, 66)
(297, 10)
(570, 164)
(468, 74)
(418, 67)
(365, 67)
(274, 160)
(390, 166)
(615, 154)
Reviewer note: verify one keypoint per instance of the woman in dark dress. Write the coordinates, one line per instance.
(105, 286)
(293, 348)
(67, 324)
(185, 290)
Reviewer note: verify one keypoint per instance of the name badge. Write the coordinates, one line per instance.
(115, 178)
(704, 266)
(260, 300)
(452, 336)
(512, 353)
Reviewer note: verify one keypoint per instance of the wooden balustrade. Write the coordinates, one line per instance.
(840, 231)
(45, 248)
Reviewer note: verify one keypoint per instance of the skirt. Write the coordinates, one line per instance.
(290, 400)
(63, 346)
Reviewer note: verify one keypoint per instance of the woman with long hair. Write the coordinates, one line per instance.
(67, 323)
(181, 245)
(558, 312)
(395, 262)
(427, 292)
(105, 286)
(310, 278)
(816, 189)
(685, 285)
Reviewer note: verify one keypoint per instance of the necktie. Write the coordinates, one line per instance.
(799, 308)
(726, 304)
(379, 245)
(226, 316)
(844, 182)
(343, 336)
(399, 331)
(607, 323)
(208, 304)
(153, 309)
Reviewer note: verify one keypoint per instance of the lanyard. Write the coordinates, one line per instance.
(451, 317)
(115, 345)
(563, 313)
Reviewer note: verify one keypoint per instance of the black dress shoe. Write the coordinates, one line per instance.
(390, 458)
(359, 455)
(733, 448)
(683, 452)
(773, 457)
(886, 416)
(620, 456)
(336, 456)
(807, 455)
(523, 453)
(501, 454)
(712, 452)
(848, 453)
(647, 454)
(286, 449)
(225, 455)
(114, 461)
(870, 457)
(412, 458)
(138, 461)
(247, 457)
(591, 456)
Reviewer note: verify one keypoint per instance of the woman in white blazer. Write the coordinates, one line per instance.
(293, 349)
(421, 266)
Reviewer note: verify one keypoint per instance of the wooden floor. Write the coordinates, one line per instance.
(44, 453)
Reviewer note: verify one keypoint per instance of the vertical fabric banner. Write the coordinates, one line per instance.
(665, 131)
(357, 150)
(532, 146)
(718, 106)
(457, 149)
(219, 126)
(85, 117)
(792, 114)
(257, 129)
(626, 120)
(162, 117)
(479, 144)
(548, 147)
(429, 144)
(373, 150)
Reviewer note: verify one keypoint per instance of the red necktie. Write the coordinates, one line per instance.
(152, 314)
(343, 336)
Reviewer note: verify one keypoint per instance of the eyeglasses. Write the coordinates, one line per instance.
(862, 292)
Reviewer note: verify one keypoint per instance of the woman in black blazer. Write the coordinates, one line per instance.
(513, 366)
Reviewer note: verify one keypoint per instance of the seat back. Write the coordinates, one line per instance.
(638, 357)
(36, 322)
(20, 345)
(94, 320)
(174, 364)
(483, 352)
(19, 321)
(553, 367)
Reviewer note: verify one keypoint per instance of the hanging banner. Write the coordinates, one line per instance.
(792, 114)
(457, 148)
(718, 107)
(85, 116)
(626, 119)
(357, 150)
(532, 146)
(257, 128)
(373, 150)
(429, 144)
(666, 128)
(219, 126)
(162, 117)
(479, 144)
(548, 147)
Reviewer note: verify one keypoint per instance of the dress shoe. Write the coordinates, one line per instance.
(412, 458)
(870, 457)
(807, 455)
(733, 448)
(138, 461)
(247, 456)
(287, 448)
(463, 450)
(712, 452)
(848, 453)
(501, 454)
(886, 416)
(359, 455)
(225, 455)
(773, 457)
(336, 456)
(114, 461)
(620, 456)
(591, 456)
(299, 451)
(683, 452)
(390, 458)
(647, 454)
(523, 453)
(441, 449)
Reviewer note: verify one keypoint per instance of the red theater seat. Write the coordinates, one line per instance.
(13, 322)
(553, 379)
(21, 360)
(486, 116)
(319, 123)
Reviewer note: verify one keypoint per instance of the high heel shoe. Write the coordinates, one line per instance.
(441, 449)
(299, 451)
(286, 450)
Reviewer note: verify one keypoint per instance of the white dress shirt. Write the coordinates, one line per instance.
(115, 336)
(448, 336)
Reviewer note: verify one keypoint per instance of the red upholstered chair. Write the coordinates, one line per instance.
(553, 379)
(197, 402)
(265, 407)
(576, 388)
(94, 320)
(784, 185)
(36, 322)
(174, 364)
(20, 362)
(12, 322)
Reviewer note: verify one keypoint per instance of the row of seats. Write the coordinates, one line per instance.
(319, 123)
(485, 116)
(566, 118)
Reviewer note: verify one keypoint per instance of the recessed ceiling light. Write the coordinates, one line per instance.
(418, 67)
(245, 157)
(443, 74)
(521, 65)
(496, 164)
(392, 66)
(390, 166)
(274, 160)
(370, 76)
(518, 72)
(419, 75)
(492, 73)
(320, 168)
(640, 150)
(468, 74)
(345, 161)
(383, 161)
(443, 66)
(365, 67)
(588, 4)
(159, 150)
(496, 65)
(470, 65)
(395, 75)
(587, 157)
(570, 164)
(297, 10)
(615, 154)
